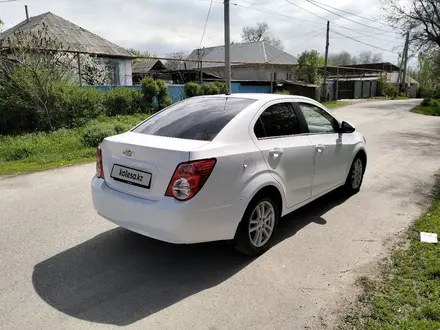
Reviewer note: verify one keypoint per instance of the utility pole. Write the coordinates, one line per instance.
(26, 12)
(402, 62)
(227, 44)
(326, 59)
(405, 61)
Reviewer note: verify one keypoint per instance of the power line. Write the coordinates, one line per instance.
(313, 37)
(352, 14)
(303, 35)
(348, 19)
(364, 43)
(368, 36)
(342, 26)
(268, 11)
(206, 22)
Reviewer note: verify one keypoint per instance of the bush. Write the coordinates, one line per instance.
(221, 86)
(192, 89)
(97, 130)
(94, 134)
(209, 89)
(429, 93)
(122, 101)
(149, 89)
(82, 105)
(389, 90)
(163, 96)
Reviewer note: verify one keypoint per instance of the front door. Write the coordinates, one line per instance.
(331, 153)
(288, 153)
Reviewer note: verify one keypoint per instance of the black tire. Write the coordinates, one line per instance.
(242, 241)
(353, 186)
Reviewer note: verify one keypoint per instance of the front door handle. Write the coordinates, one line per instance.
(320, 148)
(276, 152)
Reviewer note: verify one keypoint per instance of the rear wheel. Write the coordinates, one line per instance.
(355, 176)
(255, 232)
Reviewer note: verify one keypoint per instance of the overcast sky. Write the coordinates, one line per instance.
(165, 26)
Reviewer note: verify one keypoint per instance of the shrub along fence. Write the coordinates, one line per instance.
(64, 105)
(67, 106)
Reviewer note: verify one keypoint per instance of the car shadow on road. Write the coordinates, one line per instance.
(119, 277)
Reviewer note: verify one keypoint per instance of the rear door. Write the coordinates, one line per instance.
(331, 150)
(287, 152)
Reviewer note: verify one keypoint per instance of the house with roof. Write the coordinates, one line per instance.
(75, 39)
(147, 68)
(254, 61)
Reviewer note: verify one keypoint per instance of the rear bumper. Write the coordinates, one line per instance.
(167, 219)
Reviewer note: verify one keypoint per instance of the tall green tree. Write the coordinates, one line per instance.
(307, 69)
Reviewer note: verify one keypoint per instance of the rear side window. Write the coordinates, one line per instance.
(277, 120)
(194, 118)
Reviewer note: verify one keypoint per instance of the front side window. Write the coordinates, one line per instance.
(277, 120)
(194, 118)
(318, 120)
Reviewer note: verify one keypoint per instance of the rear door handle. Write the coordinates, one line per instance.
(320, 148)
(276, 152)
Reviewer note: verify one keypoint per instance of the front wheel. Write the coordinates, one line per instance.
(355, 176)
(256, 229)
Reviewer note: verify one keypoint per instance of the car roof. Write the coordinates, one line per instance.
(259, 96)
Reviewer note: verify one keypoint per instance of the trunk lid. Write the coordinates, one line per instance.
(142, 165)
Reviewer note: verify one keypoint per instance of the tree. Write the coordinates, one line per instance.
(307, 69)
(136, 52)
(428, 70)
(421, 17)
(342, 58)
(345, 58)
(33, 71)
(1, 25)
(176, 64)
(260, 32)
(368, 56)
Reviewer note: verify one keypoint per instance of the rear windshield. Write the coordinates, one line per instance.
(194, 118)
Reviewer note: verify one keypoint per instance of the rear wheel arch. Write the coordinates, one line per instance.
(242, 239)
(269, 191)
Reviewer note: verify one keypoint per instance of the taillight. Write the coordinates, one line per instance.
(99, 168)
(189, 178)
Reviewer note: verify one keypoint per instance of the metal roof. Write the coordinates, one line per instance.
(251, 52)
(73, 37)
(146, 65)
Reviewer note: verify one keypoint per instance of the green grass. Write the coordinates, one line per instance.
(408, 295)
(41, 151)
(428, 107)
(335, 104)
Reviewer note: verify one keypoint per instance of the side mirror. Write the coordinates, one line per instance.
(346, 128)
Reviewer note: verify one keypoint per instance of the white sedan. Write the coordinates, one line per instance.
(225, 167)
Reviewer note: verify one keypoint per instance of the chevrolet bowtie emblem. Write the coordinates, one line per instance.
(128, 152)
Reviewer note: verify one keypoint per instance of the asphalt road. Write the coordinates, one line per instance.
(63, 267)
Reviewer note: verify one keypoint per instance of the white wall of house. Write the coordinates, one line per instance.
(125, 72)
(124, 69)
(254, 72)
